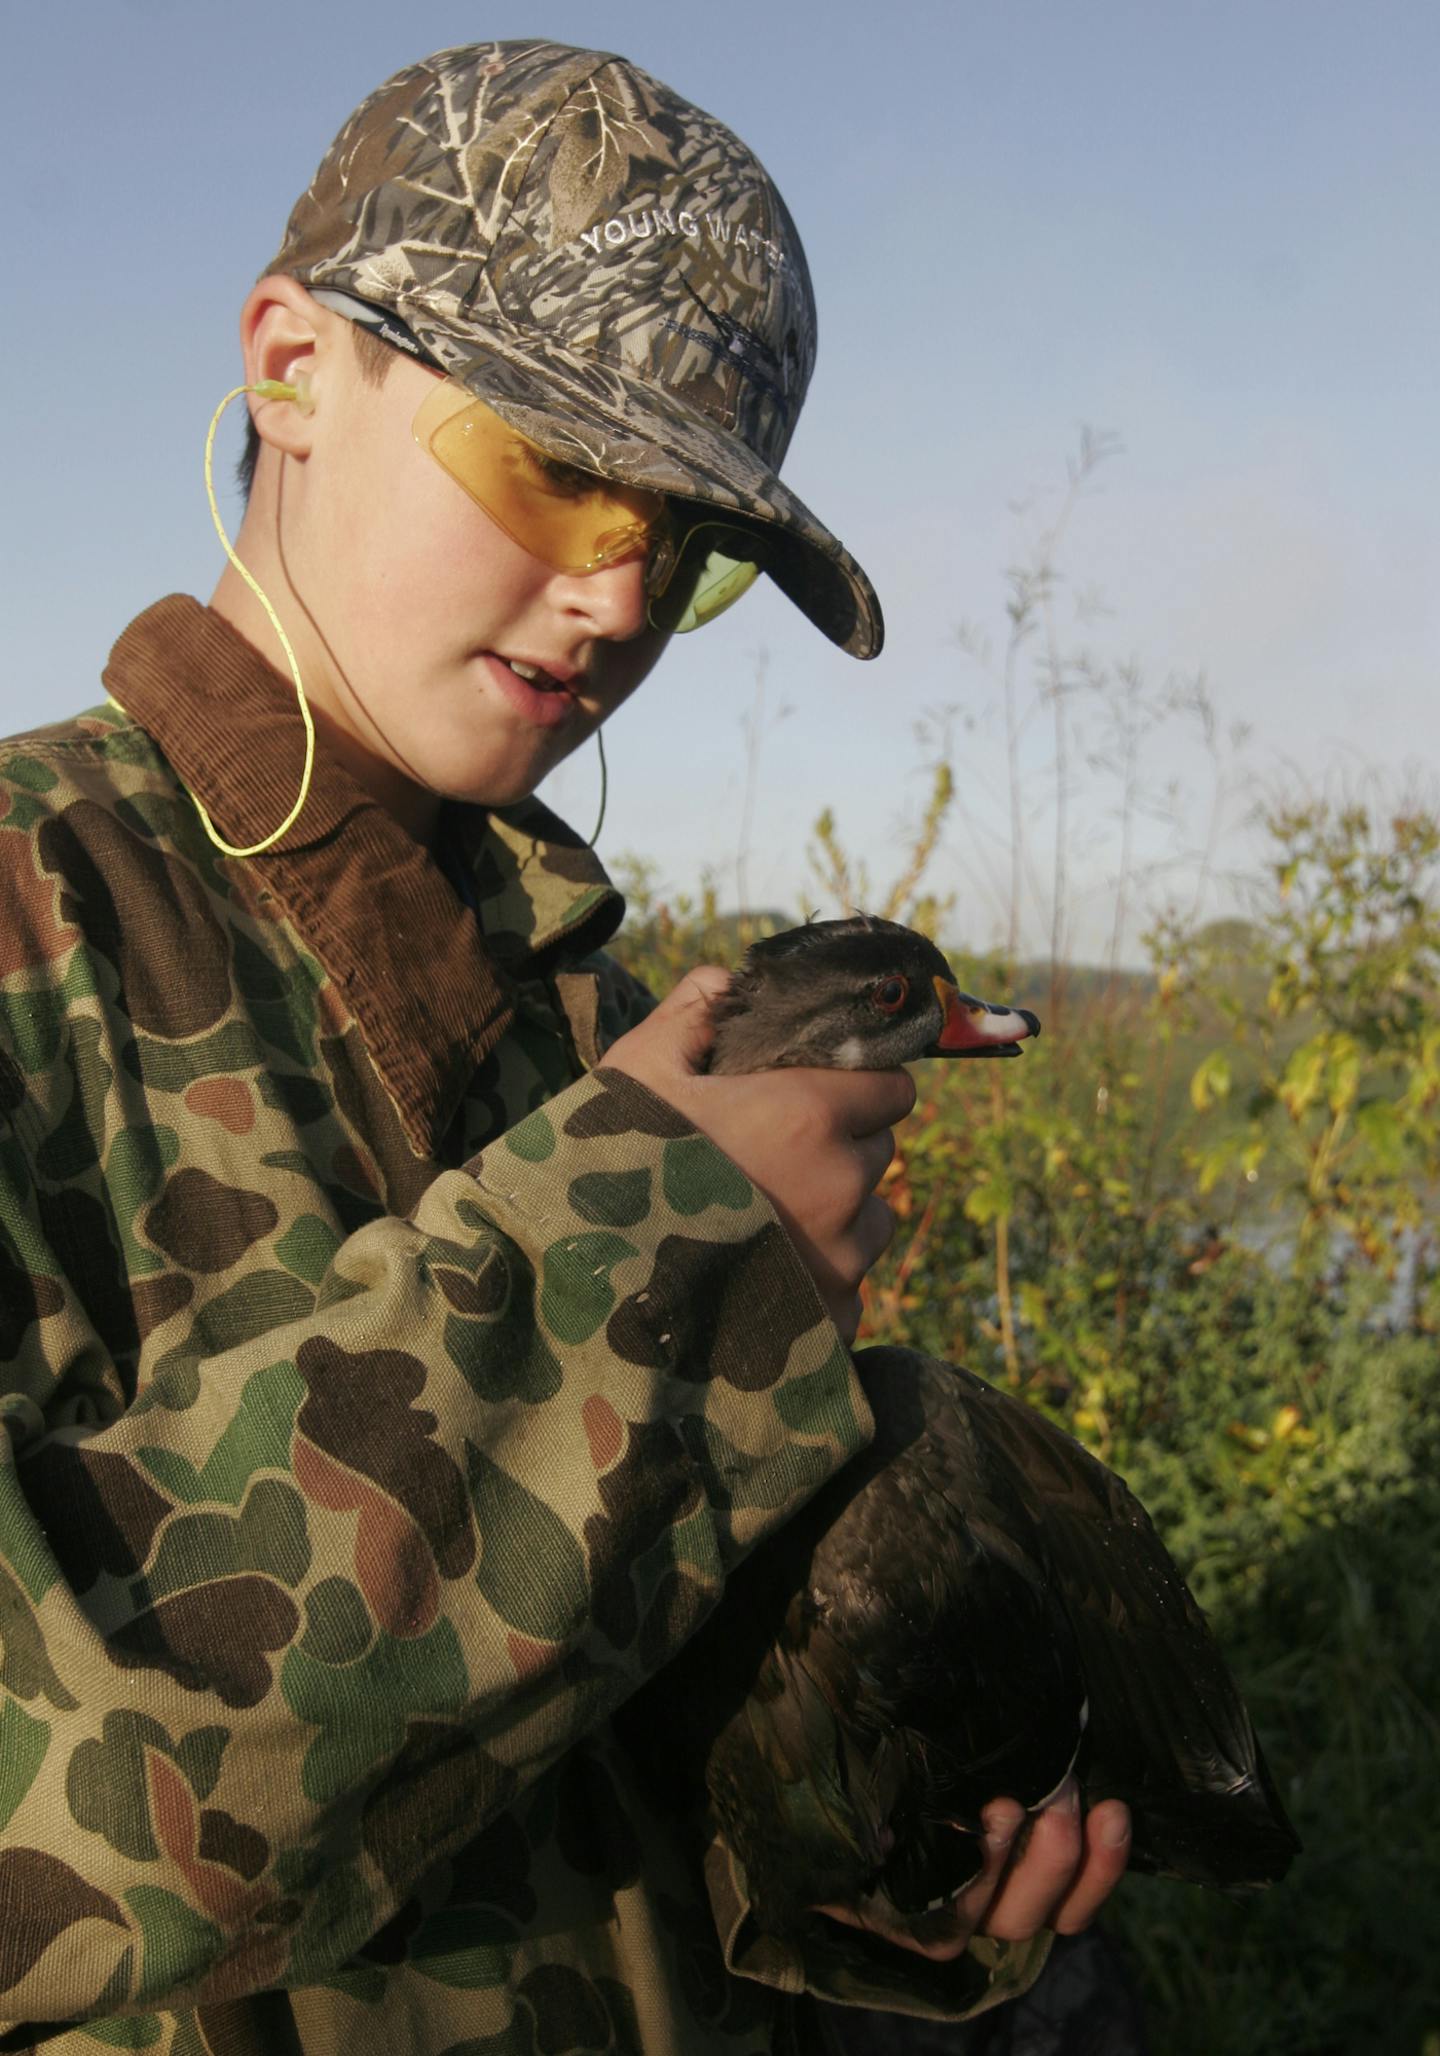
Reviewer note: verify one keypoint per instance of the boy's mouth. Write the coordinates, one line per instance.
(534, 675)
(541, 697)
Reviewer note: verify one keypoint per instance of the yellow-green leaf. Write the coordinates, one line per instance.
(1211, 1080)
(1379, 1125)
(1300, 1085)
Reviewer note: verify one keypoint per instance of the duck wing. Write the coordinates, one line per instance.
(1167, 1730)
(970, 1609)
(844, 1730)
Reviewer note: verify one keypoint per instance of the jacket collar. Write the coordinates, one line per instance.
(431, 984)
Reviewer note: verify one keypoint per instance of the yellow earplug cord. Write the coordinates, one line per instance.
(275, 389)
(268, 389)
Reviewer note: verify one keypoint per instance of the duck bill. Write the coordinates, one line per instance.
(975, 1028)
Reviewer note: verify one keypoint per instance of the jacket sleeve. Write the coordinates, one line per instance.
(307, 1612)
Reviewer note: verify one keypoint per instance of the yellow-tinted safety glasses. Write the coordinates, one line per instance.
(576, 522)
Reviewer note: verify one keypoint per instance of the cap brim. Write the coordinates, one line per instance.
(607, 420)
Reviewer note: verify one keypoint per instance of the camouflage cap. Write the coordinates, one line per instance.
(604, 264)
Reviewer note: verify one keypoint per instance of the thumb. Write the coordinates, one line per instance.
(673, 1041)
(683, 1018)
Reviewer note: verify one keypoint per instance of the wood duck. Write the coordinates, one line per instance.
(975, 1606)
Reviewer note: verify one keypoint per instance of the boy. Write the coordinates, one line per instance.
(391, 1386)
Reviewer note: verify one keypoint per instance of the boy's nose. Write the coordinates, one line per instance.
(612, 599)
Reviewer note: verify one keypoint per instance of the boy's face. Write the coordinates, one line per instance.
(419, 604)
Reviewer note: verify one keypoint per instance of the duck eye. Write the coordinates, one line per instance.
(890, 994)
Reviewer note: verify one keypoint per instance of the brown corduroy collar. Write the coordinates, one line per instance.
(430, 983)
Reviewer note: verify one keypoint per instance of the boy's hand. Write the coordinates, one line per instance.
(816, 1143)
(1056, 1873)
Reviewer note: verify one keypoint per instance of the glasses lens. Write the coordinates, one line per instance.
(561, 514)
(715, 567)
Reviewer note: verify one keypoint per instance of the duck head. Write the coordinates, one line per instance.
(855, 995)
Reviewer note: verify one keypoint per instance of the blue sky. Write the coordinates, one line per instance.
(1209, 230)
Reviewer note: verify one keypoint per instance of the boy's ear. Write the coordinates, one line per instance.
(283, 341)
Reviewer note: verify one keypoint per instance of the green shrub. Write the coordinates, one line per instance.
(1191, 1224)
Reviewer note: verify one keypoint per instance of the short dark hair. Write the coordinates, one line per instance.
(373, 358)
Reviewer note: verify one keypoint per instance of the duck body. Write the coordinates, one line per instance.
(972, 1609)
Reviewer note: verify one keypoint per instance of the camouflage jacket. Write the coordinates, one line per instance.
(388, 1393)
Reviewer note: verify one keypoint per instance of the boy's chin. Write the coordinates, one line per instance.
(496, 793)
(510, 789)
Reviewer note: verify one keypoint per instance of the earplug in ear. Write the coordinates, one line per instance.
(277, 389)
